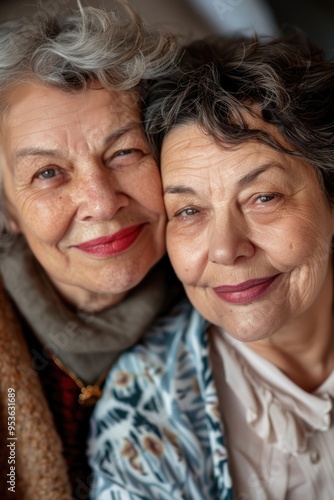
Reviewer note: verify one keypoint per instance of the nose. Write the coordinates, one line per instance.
(99, 195)
(228, 239)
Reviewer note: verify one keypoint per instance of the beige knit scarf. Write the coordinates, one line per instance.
(39, 471)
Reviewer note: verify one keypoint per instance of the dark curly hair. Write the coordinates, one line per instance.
(287, 80)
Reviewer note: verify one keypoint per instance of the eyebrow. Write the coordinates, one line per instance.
(252, 176)
(33, 151)
(114, 136)
(244, 181)
(179, 190)
(23, 152)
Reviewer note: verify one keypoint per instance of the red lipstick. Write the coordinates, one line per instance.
(245, 292)
(107, 246)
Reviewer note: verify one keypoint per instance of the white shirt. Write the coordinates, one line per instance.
(280, 438)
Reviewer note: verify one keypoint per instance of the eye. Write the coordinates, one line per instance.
(47, 173)
(126, 157)
(265, 202)
(186, 212)
(125, 152)
(265, 198)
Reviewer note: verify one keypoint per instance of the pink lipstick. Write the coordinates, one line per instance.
(107, 246)
(245, 292)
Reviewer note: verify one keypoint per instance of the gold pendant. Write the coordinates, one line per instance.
(89, 395)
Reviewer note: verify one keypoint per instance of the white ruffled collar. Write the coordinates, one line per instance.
(278, 410)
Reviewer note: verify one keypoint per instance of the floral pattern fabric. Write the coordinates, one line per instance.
(156, 433)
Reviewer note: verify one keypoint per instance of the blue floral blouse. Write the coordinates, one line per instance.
(156, 432)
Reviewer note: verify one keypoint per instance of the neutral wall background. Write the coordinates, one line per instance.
(198, 18)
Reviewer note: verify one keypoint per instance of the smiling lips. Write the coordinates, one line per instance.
(245, 292)
(108, 246)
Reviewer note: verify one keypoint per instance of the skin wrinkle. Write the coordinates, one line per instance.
(22, 154)
(228, 240)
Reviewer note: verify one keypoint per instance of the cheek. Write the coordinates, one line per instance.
(296, 242)
(47, 220)
(311, 254)
(188, 255)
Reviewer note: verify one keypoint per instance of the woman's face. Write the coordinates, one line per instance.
(249, 232)
(83, 188)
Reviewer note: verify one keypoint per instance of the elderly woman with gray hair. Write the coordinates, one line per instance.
(82, 232)
(235, 397)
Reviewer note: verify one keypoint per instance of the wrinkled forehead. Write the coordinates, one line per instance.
(225, 136)
(189, 150)
(36, 113)
(32, 97)
(34, 102)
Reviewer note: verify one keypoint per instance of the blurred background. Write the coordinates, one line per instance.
(198, 18)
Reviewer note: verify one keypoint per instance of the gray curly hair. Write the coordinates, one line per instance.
(87, 45)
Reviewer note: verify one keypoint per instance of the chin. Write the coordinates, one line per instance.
(250, 331)
(249, 337)
(246, 326)
(132, 280)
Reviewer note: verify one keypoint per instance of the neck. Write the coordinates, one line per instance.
(87, 301)
(304, 349)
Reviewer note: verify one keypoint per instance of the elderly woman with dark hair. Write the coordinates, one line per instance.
(237, 395)
(82, 231)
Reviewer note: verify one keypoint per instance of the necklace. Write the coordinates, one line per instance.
(89, 393)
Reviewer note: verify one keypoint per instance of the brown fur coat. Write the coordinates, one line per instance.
(40, 470)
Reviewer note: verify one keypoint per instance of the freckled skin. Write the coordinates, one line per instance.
(224, 231)
(87, 184)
